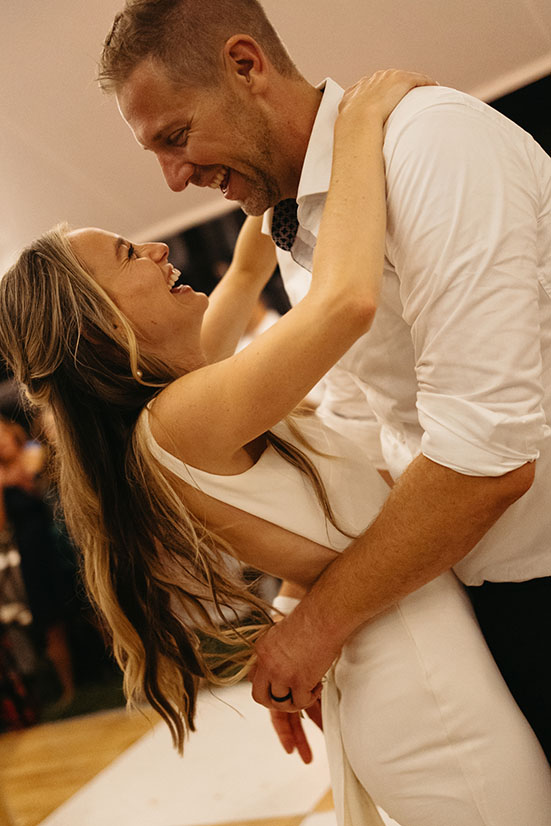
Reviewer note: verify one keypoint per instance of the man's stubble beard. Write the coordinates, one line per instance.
(264, 188)
(265, 193)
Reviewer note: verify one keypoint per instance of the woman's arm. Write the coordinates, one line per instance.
(233, 299)
(213, 412)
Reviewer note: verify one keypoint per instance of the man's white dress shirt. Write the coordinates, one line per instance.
(457, 364)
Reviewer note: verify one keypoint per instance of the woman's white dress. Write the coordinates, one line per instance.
(415, 710)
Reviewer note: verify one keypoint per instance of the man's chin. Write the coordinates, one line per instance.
(255, 206)
(251, 211)
(257, 195)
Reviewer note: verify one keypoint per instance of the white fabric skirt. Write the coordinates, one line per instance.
(417, 714)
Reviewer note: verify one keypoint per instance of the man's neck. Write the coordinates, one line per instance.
(297, 111)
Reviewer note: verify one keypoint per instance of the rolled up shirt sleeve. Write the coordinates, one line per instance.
(466, 256)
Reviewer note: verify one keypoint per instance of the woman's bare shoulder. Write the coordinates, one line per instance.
(187, 419)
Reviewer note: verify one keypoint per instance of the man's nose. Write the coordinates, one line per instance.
(177, 173)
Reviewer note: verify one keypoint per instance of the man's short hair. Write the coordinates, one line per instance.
(186, 37)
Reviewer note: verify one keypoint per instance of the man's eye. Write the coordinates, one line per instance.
(131, 250)
(178, 138)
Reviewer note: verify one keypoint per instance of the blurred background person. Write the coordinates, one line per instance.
(48, 582)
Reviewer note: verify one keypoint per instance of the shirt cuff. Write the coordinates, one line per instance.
(476, 440)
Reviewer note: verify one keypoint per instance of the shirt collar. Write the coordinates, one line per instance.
(316, 169)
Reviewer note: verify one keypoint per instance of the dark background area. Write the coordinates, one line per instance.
(530, 107)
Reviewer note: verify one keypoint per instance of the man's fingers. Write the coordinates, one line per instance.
(280, 694)
(261, 691)
(302, 698)
(278, 697)
(284, 665)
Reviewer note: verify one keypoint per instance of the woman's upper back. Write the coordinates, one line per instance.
(275, 490)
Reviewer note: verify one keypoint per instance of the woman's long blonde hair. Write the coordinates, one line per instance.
(151, 568)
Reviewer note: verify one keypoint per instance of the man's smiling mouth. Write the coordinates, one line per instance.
(221, 179)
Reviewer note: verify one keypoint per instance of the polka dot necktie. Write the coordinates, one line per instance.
(285, 223)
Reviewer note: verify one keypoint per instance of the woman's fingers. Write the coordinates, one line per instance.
(381, 92)
(291, 734)
(314, 713)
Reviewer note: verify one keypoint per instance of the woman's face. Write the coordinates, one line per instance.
(139, 279)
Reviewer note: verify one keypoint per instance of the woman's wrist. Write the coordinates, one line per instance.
(351, 127)
(357, 141)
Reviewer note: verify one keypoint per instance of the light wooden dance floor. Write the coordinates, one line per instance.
(114, 769)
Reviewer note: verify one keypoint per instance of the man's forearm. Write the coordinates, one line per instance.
(431, 520)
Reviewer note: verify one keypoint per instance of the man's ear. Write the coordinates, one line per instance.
(245, 62)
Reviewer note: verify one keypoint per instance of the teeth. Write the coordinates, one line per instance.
(173, 277)
(217, 180)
